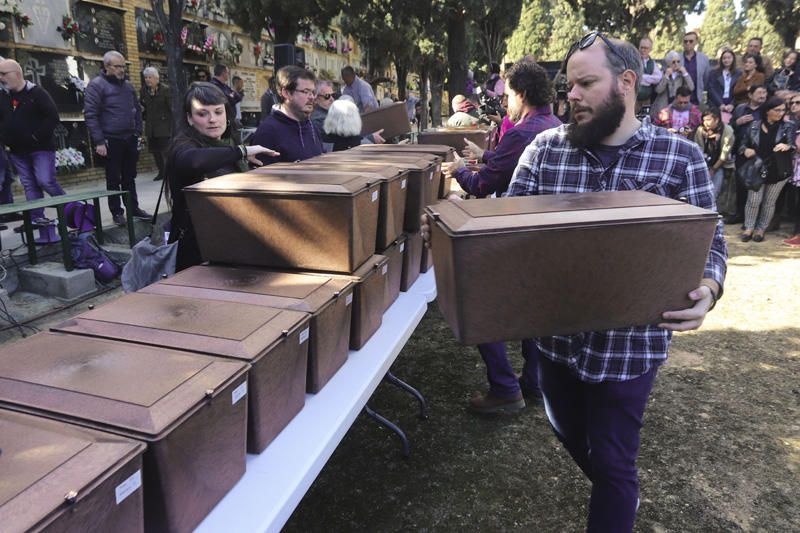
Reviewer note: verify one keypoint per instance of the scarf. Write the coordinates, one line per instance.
(207, 142)
(466, 106)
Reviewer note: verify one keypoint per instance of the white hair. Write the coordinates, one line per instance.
(671, 56)
(150, 71)
(112, 54)
(343, 119)
(323, 83)
(346, 98)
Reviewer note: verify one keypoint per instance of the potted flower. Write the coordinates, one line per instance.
(69, 160)
(69, 28)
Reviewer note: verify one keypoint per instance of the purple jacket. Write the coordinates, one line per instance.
(294, 140)
(496, 174)
(111, 109)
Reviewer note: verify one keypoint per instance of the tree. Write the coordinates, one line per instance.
(785, 18)
(283, 20)
(532, 34)
(171, 27)
(568, 27)
(721, 27)
(667, 36)
(757, 24)
(495, 22)
(632, 19)
(455, 15)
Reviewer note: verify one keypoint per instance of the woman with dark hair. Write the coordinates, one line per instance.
(199, 152)
(787, 78)
(722, 82)
(773, 140)
(715, 139)
(750, 76)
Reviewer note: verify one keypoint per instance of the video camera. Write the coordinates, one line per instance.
(489, 105)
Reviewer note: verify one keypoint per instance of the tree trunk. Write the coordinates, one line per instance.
(171, 26)
(437, 87)
(423, 96)
(456, 54)
(402, 76)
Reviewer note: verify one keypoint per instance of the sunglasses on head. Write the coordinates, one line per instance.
(588, 40)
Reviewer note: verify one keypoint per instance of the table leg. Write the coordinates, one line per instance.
(423, 405)
(28, 225)
(126, 197)
(98, 221)
(394, 427)
(65, 244)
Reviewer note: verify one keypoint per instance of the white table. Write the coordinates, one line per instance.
(278, 478)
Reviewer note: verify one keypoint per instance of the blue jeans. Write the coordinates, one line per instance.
(717, 178)
(599, 424)
(37, 173)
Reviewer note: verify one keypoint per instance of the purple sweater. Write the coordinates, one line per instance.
(496, 174)
(294, 140)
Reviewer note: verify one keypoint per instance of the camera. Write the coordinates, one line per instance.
(489, 105)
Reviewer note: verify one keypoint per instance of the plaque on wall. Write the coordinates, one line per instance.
(6, 28)
(60, 75)
(102, 27)
(45, 17)
(149, 37)
(73, 134)
(251, 100)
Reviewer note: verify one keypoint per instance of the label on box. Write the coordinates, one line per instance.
(430, 176)
(129, 486)
(402, 247)
(349, 299)
(239, 393)
(402, 186)
(303, 336)
(374, 196)
(385, 269)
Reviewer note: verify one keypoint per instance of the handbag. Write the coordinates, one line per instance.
(149, 262)
(751, 173)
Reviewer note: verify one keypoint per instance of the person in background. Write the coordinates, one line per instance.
(754, 47)
(359, 90)
(788, 77)
(269, 99)
(697, 65)
(29, 116)
(199, 152)
(201, 75)
(675, 76)
(221, 77)
(494, 86)
(750, 76)
(681, 116)
(342, 125)
(530, 94)
(322, 103)
(716, 139)
(238, 86)
(794, 115)
(114, 120)
(288, 129)
(156, 104)
(6, 182)
(651, 75)
(773, 140)
(721, 83)
(465, 113)
(469, 89)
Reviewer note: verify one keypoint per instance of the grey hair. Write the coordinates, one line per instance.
(632, 60)
(150, 71)
(343, 119)
(671, 55)
(111, 54)
(346, 98)
(323, 83)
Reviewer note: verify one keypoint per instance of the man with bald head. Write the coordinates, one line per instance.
(114, 119)
(29, 117)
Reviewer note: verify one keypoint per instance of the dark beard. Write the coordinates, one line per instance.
(605, 120)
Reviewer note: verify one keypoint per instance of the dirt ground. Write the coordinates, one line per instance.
(720, 448)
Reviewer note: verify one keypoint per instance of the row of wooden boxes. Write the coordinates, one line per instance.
(138, 414)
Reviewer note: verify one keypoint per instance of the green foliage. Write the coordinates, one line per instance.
(667, 35)
(493, 24)
(631, 19)
(785, 18)
(757, 24)
(721, 28)
(546, 30)
(287, 17)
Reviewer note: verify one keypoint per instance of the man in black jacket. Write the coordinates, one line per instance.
(29, 117)
(157, 112)
(114, 119)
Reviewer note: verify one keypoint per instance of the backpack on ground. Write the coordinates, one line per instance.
(87, 253)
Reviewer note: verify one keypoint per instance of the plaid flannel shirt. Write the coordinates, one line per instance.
(651, 160)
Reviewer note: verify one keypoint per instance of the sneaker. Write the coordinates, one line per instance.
(793, 241)
(142, 214)
(487, 403)
(120, 220)
(42, 221)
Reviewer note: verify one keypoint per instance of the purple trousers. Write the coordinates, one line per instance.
(503, 382)
(37, 174)
(599, 424)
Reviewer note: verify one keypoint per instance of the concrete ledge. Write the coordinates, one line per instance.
(51, 279)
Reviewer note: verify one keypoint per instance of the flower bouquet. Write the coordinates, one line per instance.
(158, 42)
(69, 160)
(69, 28)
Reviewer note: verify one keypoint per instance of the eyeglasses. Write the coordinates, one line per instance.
(326, 96)
(306, 92)
(588, 40)
(793, 102)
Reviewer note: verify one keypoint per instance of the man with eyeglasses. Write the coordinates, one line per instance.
(114, 119)
(595, 384)
(289, 129)
(697, 64)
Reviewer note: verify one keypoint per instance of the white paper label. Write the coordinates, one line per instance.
(385, 269)
(239, 393)
(129, 486)
(430, 176)
(402, 186)
(349, 299)
(303, 336)
(402, 247)
(374, 195)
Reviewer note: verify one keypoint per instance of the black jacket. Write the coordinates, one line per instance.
(157, 112)
(28, 119)
(778, 163)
